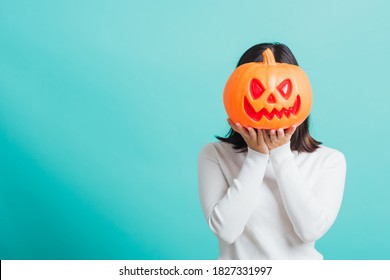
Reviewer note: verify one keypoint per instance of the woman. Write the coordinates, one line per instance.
(270, 194)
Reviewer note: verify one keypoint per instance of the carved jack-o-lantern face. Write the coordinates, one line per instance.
(268, 95)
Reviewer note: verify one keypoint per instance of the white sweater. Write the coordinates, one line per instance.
(270, 206)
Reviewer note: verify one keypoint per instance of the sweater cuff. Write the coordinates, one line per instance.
(255, 163)
(281, 154)
(257, 156)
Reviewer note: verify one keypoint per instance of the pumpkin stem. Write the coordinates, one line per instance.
(268, 57)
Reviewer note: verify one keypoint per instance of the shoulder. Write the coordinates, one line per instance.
(327, 152)
(329, 156)
(216, 150)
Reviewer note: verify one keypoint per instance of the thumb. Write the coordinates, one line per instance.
(290, 131)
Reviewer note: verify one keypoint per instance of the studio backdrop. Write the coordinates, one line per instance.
(105, 105)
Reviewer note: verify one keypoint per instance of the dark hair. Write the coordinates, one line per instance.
(301, 140)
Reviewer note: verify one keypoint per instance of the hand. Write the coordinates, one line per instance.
(254, 140)
(276, 138)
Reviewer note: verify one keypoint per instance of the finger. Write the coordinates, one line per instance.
(232, 124)
(272, 136)
(244, 133)
(266, 137)
(237, 127)
(290, 131)
(252, 134)
(260, 137)
(280, 133)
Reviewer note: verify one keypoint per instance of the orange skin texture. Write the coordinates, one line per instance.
(271, 76)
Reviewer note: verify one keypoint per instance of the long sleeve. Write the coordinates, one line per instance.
(228, 208)
(312, 207)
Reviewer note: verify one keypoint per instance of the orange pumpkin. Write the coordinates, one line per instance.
(268, 95)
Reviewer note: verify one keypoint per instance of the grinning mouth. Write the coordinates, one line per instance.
(256, 116)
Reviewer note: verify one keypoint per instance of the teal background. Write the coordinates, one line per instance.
(104, 106)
